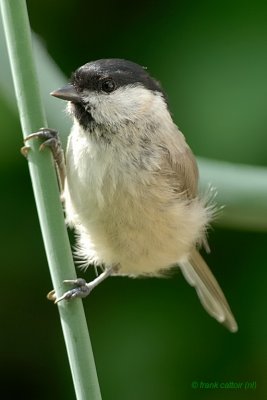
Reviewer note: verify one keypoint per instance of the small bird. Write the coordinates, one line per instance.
(130, 183)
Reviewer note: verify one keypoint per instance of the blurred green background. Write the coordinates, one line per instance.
(151, 338)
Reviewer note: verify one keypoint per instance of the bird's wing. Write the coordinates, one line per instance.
(185, 174)
(186, 168)
(183, 165)
(195, 269)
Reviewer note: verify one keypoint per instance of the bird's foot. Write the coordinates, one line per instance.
(50, 140)
(81, 289)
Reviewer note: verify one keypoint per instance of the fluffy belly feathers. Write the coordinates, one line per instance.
(122, 218)
(138, 233)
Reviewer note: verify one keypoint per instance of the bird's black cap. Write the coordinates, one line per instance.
(122, 72)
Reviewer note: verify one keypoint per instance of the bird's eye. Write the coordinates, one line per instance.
(108, 85)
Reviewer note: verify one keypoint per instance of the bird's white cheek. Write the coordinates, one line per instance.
(126, 103)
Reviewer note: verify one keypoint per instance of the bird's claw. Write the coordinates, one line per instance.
(50, 140)
(81, 290)
(25, 151)
(50, 137)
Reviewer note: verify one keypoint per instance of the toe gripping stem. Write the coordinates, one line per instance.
(50, 140)
(81, 287)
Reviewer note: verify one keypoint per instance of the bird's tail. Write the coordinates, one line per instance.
(198, 274)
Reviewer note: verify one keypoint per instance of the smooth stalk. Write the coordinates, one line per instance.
(44, 182)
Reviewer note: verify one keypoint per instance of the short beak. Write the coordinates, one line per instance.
(68, 93)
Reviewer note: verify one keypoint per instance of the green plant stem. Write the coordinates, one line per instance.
(18, 38)
(242, 190)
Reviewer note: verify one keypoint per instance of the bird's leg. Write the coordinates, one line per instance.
(51, 140)
(81, 289)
